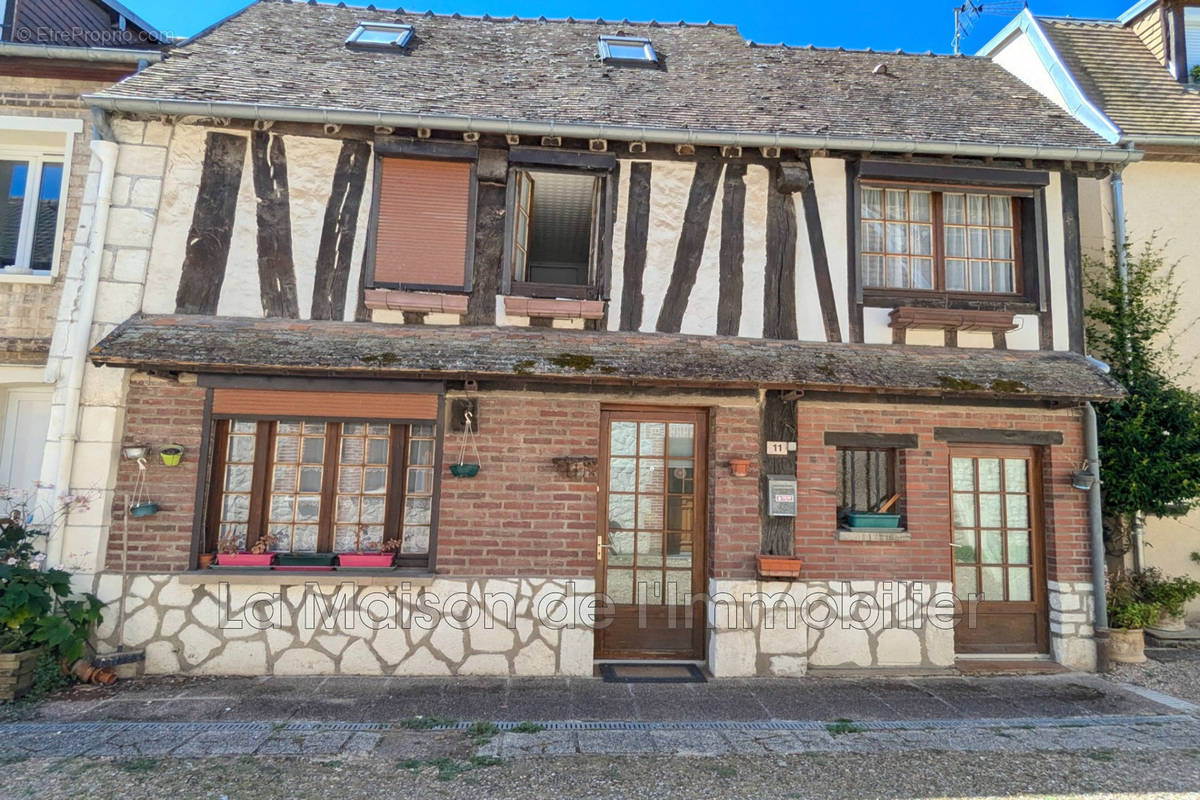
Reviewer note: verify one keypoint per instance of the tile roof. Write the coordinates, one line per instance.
(362, 349)
(1123, 78)
(710, 79)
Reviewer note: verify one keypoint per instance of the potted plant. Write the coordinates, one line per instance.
(206, 560)
(37, 613)
(773, 566)
(365, 557)
(740, 467)
(259, 555)
(171, 454)
(463, 468)
(1170, 594)
(1128, 616)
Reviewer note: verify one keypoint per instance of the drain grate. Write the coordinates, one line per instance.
(151, 729)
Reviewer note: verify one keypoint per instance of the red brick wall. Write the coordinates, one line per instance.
(159, 412)
(736, 533)
(925, 487)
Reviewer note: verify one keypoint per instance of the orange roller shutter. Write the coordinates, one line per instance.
(423, 211)
(335, 405)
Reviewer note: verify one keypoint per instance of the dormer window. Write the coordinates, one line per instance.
(627, 50)
(380, 34)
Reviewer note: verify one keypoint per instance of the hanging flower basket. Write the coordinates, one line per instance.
(464, 470)
(147, 509)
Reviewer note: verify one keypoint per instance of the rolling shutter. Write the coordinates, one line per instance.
(333, 405)
(424, 208)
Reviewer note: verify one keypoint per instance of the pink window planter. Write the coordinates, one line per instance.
(364, 559)
(245, 559)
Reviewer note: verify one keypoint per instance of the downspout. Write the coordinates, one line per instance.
(78, 342)
(1116, 186)
(1091, 451)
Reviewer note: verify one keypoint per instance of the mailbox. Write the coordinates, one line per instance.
(781, 495)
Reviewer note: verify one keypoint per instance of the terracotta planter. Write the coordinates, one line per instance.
(1126, 646)
(740, 467)
(779, 566)
(16, 673)
(205, 560)
(245, 559)
(375, 560)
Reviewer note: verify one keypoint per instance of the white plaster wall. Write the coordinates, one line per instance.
(829, 178)
(700, 316)
(1056, 244)
(185, 159)
(810, 325)
(1018, 57)
(241, 295)
(1026, 336)
(616, 279)
(754, 251)
(670, 184)
(876, 329)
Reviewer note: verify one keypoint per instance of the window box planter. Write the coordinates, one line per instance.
(373, 560)
(16, 673)
(779, 566)
(245, 559)
(305, 561)
(871, 519)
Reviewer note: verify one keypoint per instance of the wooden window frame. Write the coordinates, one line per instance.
(212, 478)
(937, 190)
(603, 215)
(421, 151)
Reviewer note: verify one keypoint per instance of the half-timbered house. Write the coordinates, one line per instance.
(684, 300)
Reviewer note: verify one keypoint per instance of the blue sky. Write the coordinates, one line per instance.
(916, 25)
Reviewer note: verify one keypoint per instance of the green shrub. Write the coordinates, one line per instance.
(1127, 607)
(1170, 594)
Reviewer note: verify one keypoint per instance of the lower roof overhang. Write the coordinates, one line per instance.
(205, 344)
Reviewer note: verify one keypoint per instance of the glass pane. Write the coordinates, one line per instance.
(352, 450)
(682, 436)
(980, 276)
(650, 476)
(620, 548)
(622, 475)
(314, 427)
(956, 242)
(420, 481)
(243, 426)
(347, 509)
(416, 539)
(421, 430)
(872, 203)
(1018, 547)
(417, 511)
(989, 511)
(650, 438)
(680, 477)
(45, 225)
(287, 449)
(993, 583)
(680, 513)
(977, 209)
(383, 429)
(314, 450)
(283, 539)
(922, 273)
(377, 451)
(237, 478)
(373, 508)
(375, 480)
(1002, 243)
(991, 547)
(677, 588)
(620, 585)
(679, 550)
(964, 510)
(650, 548)
(14, 177)
(1001, 210)
(650, 511)
(872, 237)
(963, 470)
(964, 547)
(1002, 277)
(287, 427)
(897, 272)
(235, 532)
(897, 204)
(897, 237)
(310, 479)
(921, 238)
(236, 509)
(977, 242)
(872, 270)
(920, 206)
(956, 275)
(952, 209)
(1018, 511)
(965, 583)
(241, 449)
(282, 508)
(1020, 587)
(304, 539)
(350, 480)
(308, 509)
(989, 474)
(285, 479)
(620, 511)
(1014, 474)
(649, 586)
(352, 428)
(420, 452)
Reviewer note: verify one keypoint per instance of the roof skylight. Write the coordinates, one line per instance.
(380, 34)
(627, 49)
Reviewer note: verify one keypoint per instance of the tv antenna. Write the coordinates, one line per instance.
(969, 12)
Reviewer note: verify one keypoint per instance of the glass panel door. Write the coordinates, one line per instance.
(993, 553)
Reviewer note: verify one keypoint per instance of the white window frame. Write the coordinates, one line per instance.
(19, 272)
(404, 34)
(650, 56)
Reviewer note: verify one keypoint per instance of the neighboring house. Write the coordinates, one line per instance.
(51, 53)
(1131, 80)
(636, 254)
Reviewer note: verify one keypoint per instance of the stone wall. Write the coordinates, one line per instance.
(1072, 619)
(444, 627)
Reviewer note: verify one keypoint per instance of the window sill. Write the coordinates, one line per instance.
(253, 576)
(21, 276)
(557, 308)
(873, 535)
(424, 302)
(973, 301)
(904, 317)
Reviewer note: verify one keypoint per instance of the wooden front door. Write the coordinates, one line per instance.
(999, 561)
(650, 538)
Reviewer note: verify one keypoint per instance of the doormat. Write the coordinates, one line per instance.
(641, 672)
